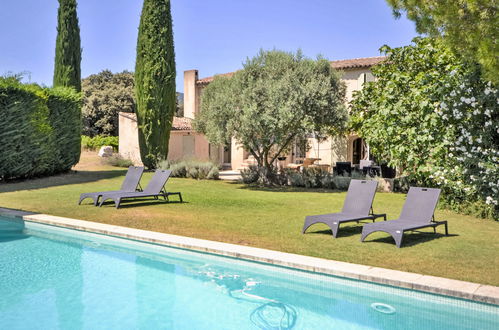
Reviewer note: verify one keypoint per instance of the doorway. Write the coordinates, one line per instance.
(358, 150)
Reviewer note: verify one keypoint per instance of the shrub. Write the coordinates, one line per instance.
(118, 161)
(435, 118)
(341, 182)
(39, 129)
(98, 141)
(191, 169)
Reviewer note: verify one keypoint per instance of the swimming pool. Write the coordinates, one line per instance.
(54, 278)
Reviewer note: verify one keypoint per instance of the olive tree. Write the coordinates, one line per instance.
(276, 98)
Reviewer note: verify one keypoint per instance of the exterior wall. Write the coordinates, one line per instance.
(333, 149)
(237, 155)
(129, 137)
(129, 142)
(180, 139)
(354, 79)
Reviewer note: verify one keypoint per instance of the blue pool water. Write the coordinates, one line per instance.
(54, 278)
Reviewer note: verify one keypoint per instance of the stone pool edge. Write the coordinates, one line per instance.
(426, 283)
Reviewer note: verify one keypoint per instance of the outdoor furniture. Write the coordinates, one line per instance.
(132, 180)
(309, 162)
(417, 213)
(344, 168)
(357, 206)
(155, 188)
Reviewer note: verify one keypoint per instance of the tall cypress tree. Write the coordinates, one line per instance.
(67, 70)
(155, 81)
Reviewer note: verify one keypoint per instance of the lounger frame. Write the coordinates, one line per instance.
(412, 218)
(353, 210)
(152, 190)
(131, 183)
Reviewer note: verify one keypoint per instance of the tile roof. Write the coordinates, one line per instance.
(182, 124)
(364, 62)
(353, 63)
(179, 123)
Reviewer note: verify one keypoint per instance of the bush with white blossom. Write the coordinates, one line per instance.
(437, 120)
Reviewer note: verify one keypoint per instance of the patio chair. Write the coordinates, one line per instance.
(155, 188)
(417, 213)
(357, 206)
(130, 184)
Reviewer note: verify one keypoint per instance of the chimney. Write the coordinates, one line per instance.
(190, 93)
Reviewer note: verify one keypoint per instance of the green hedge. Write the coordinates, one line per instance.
(94, 143)
(39, 129)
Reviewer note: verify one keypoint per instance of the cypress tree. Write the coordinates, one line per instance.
(67, 70)
(155, 81)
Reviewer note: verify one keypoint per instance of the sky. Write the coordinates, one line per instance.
(212, 36)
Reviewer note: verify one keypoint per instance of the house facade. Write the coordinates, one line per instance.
(186, 143)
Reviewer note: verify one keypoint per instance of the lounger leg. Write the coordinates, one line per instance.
(308, 222)
(81, 199)
(117, 202)
(397, 236)
(446, 229)
(364, 234)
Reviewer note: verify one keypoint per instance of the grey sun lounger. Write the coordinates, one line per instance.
(155, 188)
(130, 184)
(417, 213)
(357, 206)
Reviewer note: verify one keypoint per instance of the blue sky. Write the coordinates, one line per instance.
(212, 36)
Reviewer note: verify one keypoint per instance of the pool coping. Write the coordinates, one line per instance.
(426, 283)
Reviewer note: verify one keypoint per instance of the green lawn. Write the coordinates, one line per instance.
(272, 219)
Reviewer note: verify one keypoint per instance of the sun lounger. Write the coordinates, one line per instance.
(417, 213)
(155, 188)
(130, 184)
(357, 206)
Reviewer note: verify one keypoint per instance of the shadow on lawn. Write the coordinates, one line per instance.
(73, 177)
(284, 188)
(141, 202)
(410, 239)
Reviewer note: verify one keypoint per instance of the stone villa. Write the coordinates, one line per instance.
(185, 143)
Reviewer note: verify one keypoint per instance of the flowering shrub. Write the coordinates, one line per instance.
(437, 120)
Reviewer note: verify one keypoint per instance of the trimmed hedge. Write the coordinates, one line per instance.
(98, 141)
(39, 129)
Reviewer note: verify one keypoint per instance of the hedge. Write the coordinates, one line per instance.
(98, 141)
(39, 129)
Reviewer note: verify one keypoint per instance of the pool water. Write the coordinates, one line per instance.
(55, 278)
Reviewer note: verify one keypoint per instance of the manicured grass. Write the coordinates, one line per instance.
(272, 219)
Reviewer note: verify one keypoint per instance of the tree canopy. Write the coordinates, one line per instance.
(436, 119)
(67, 71)
(276, 98)
(155, 81)
(104, 95)
(469, 27)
